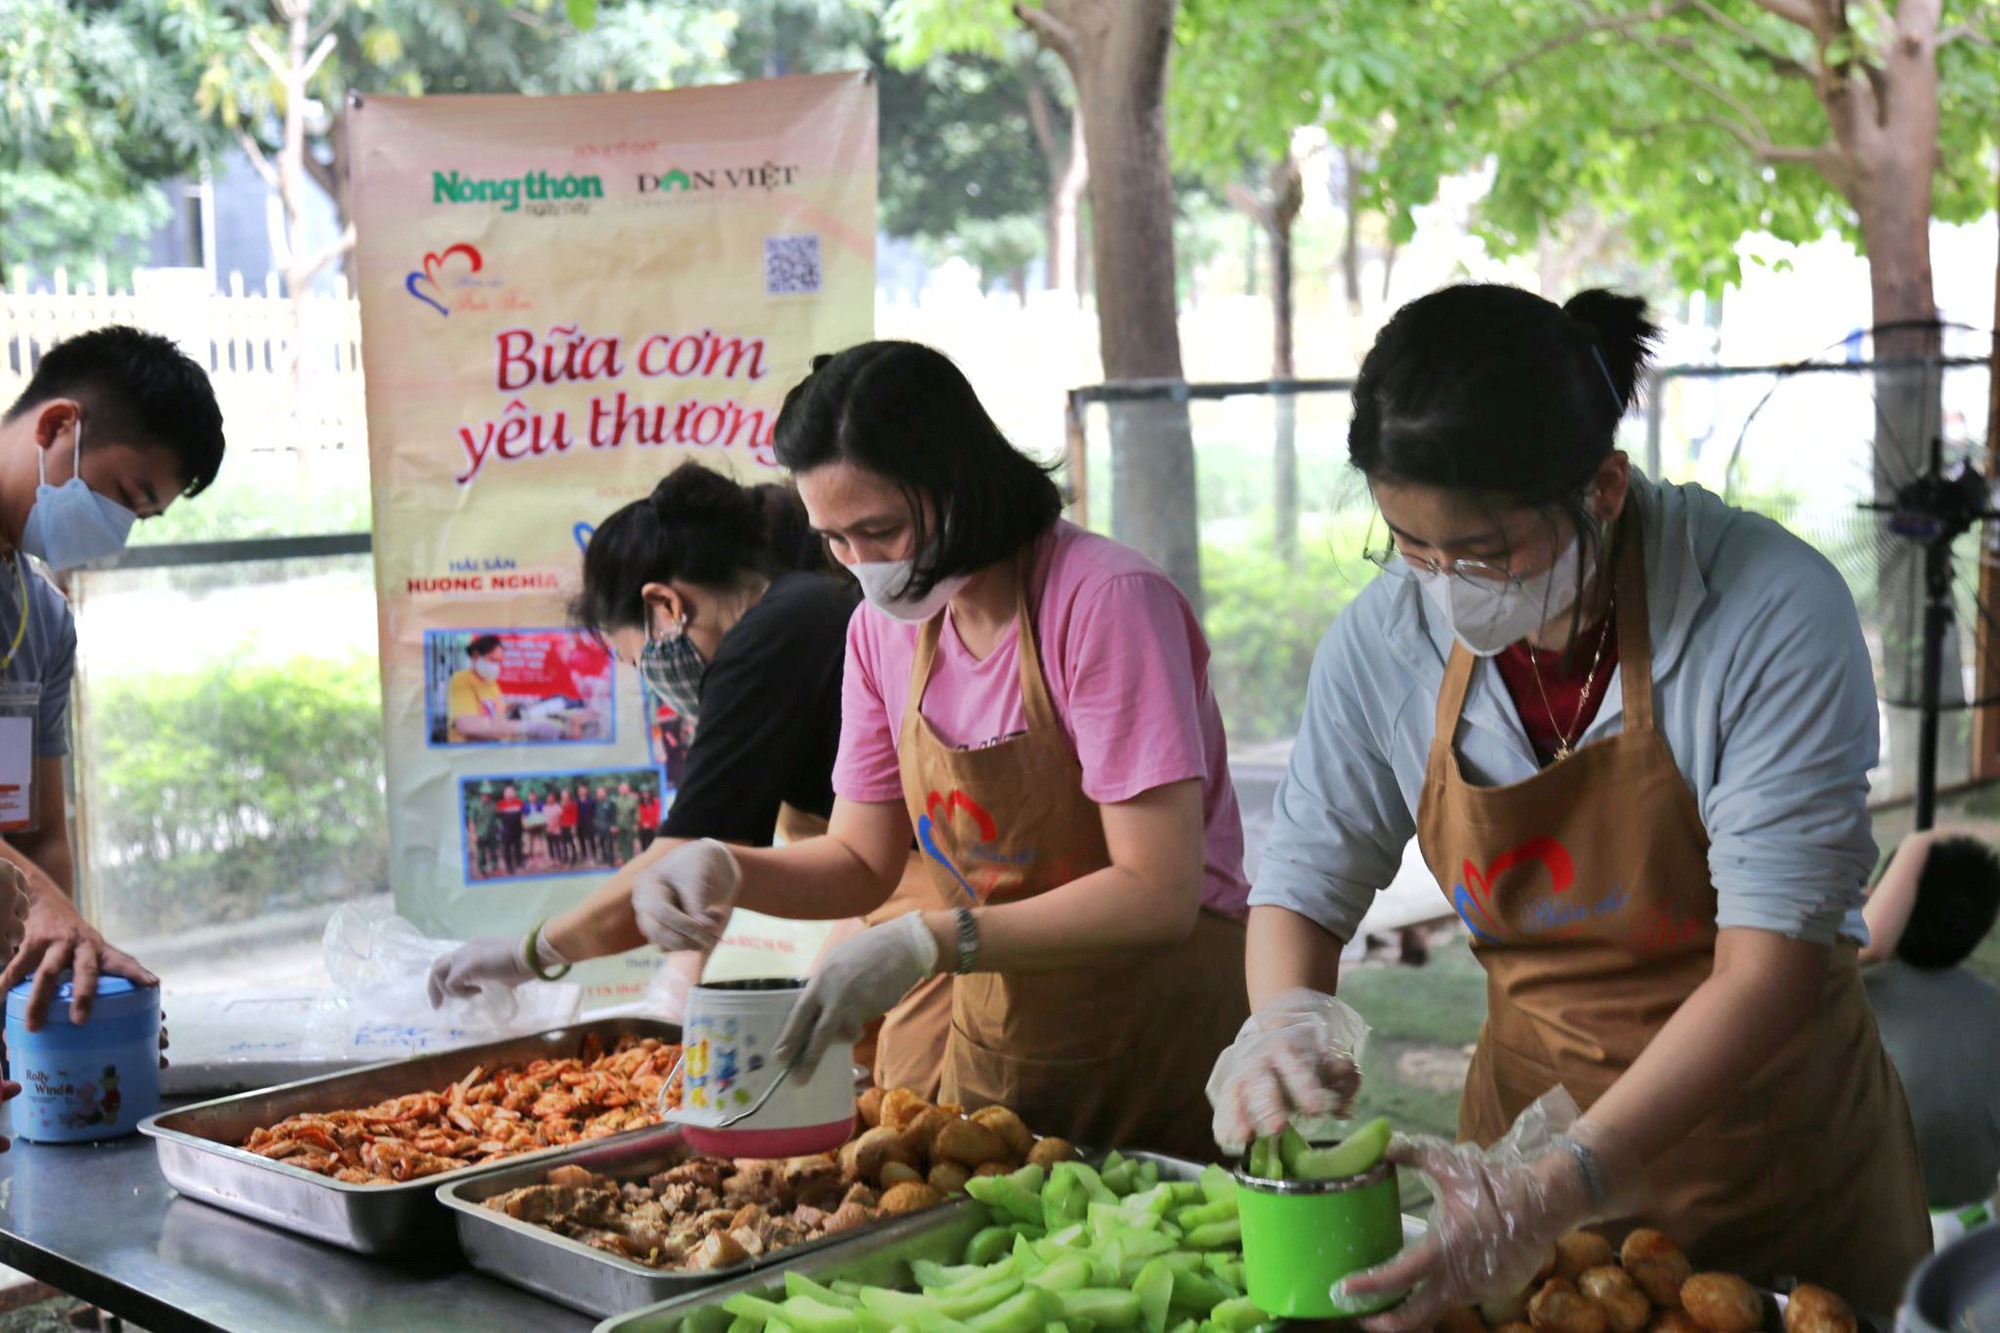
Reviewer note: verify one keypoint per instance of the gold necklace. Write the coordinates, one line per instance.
(1564, 747)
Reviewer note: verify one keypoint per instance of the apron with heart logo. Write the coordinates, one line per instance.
(1587, 892)
(905, 1047)
(1112, 1051)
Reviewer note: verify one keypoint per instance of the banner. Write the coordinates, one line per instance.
(562, 299)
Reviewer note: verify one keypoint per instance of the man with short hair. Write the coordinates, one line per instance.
(626, 826)
(512, 812)
(114, 426)
(485, 836)
(1940, 1023)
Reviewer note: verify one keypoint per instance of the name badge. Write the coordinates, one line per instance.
(20, 703)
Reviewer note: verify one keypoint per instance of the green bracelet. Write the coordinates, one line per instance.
(531, 950)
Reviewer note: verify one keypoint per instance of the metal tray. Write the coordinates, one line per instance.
(879, 1256)
(588, 1279)
(199, 1157)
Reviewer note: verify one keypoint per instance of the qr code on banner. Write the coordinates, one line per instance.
(791, 265)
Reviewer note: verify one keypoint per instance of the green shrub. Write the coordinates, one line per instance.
(223, 794)
(1264, 619)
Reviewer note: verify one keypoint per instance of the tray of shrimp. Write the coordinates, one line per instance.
(356, 1158)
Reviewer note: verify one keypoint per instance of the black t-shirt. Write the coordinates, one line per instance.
(769, 725)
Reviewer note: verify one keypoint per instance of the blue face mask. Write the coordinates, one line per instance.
(70, 524)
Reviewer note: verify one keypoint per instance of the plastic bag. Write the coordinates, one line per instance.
(379, 963)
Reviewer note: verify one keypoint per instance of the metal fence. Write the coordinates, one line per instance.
(1284, 519)
(245, 339)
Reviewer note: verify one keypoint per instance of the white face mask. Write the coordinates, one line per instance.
(1489, 615)
(883, 583)
(488, 668)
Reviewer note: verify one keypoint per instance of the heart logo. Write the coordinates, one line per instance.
(1474, 892)
(927, 827)
(433, 265)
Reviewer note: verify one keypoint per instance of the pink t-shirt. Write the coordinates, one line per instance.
(1127, 668)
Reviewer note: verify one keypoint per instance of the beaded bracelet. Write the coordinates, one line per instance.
(531, 950)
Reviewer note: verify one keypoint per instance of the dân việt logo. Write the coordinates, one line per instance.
(678, 180)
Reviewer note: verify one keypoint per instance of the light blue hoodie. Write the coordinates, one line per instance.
(1762, 688)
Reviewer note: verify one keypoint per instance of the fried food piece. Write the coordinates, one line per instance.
(970, 1143)
(847, 1217)
(1722, 1303)
(1460, 1321)
(993, 1169)
(719, 1250)
(1580, 1251)
(1509, 1310)
(949, 1178)
(1673, 1321)
(1008, 1126)
(1816, 1310)
(1657, 1265)
(921, 1132)
(900, 1107)
(910, 1199)
(1514, 1326)
(1560, 1308)
(869, 1107)
(1624, 1304)
(900, 1173)
(864, 1158)
(1049, 1151)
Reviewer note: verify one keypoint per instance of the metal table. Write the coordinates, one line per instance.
(100, 1222)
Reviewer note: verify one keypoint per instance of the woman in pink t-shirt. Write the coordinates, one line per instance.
(1031, 703)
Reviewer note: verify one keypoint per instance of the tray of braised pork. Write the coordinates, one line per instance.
(611, 1228)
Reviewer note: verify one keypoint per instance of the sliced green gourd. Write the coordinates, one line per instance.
(1358, 1153)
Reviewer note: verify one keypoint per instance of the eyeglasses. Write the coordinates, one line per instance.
(1392, 560)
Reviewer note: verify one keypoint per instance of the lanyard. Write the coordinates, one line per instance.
(20, 630)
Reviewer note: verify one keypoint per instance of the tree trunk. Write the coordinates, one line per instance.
(1117, 53)
(1287, 198)
(1069, 172)
(1350, 250)
(1885, 126)
(335, 181)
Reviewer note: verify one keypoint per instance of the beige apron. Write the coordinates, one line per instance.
(1587, 891)
(1112, 1052)
(905, 1047)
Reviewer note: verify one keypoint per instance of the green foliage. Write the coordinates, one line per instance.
(1680, 121)
(246, 788)
(958, 149)
(76, 221)
(921, 29)
(96, 105)
(1264, 621)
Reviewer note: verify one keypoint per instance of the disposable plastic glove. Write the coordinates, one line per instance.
(543, 729)
(1498, 1212)
(492, 962)
(1296, 1060)
(858, 981)
(682, 901)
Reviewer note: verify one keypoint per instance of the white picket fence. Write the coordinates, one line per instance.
(242, 337)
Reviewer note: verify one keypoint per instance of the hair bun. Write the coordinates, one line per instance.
(693, 494)
(1622, 334)
(821, 361)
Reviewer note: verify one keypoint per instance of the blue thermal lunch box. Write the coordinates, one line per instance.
(95, 1081)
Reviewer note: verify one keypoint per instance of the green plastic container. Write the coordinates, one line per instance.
(1300, 1237)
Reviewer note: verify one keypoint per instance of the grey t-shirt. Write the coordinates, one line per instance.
(1942, 1030)
(47, 654)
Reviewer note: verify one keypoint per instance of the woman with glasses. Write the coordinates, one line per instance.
(725, 603)
(1032, 702)
(1630, 728)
